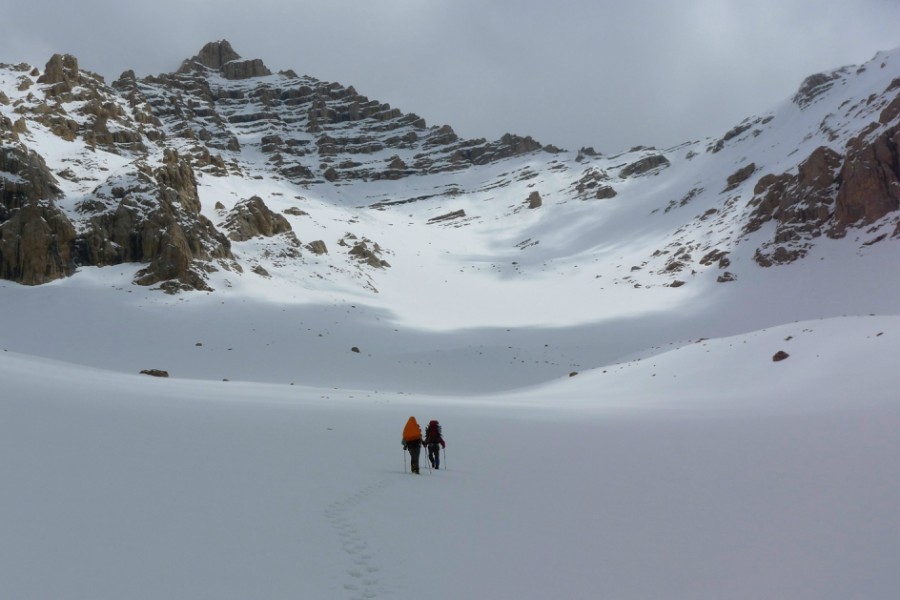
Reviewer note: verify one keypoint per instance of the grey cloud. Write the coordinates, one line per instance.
(572, 73)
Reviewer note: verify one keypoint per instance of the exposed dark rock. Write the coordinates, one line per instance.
(370, 256)
(644, 165)
(870, 181)
(456, 214)
(25, 177)
(158, 223)
(36, 238)
(800, 204)
(892, 111)
(251, 218)
(534, 200)
(317, 247)
(829, 194)
(441, 136)
(605, 192)
(720, 256)
(155, 372)
(213, 55)
(396, 169)
(220, 56)
(61, 74)
(36, 245)
(397, 164)
(813, 86)
(592, 186)
(736, 132)
(739, 177)
(780, 355)
(481, 152)
(172, 263)
(244, 69)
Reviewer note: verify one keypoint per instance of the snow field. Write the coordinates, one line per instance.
(122, 485)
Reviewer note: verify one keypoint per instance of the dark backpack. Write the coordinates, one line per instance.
(433, 433)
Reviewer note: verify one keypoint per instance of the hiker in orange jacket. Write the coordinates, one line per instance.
(434, 441)
(412, 441)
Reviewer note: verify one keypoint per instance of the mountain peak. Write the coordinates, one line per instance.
(220, 56)
(216, 54)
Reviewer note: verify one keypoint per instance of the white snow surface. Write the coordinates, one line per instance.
(609, 436)
(706, 471)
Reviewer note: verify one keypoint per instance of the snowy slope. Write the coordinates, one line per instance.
(706, 472)
(513, 296)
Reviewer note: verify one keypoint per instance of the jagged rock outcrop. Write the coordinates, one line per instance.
(215, 55)
(748, 127)
(369, 255)
(36, 238)
(739, 177)
(318, 118)
(481, 152)
(800, 204)
(25, 177)
(828, 194)
(61, 73)
(317, 247)
(644, 165)
(450, 216)
(36, 245)
(245, 69)
(870, 181)
(251, 218)
(157, 221)
(179, 242)
(592, 185)
(220, 56)
(155, 372)
(814, 86)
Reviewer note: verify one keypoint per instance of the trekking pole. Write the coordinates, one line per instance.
(404, 459)
(444, 451)
(429, 461)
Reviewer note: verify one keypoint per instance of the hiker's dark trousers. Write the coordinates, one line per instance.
(434, 455)
(414, 449)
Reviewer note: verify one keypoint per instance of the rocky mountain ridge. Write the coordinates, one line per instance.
(97, 174)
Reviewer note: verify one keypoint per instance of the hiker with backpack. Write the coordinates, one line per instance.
(434, 441)
(412, 442)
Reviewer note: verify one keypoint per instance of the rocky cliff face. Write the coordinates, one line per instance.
(153, 217)
(167, 127)
(97, 174)
(36, 238)
(833, 190)
(221, 57)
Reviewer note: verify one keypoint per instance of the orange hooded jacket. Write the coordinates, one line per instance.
(412, 432)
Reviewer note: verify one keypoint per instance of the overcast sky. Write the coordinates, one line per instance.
(601, 73)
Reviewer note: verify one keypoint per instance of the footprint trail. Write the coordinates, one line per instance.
(362, 580)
